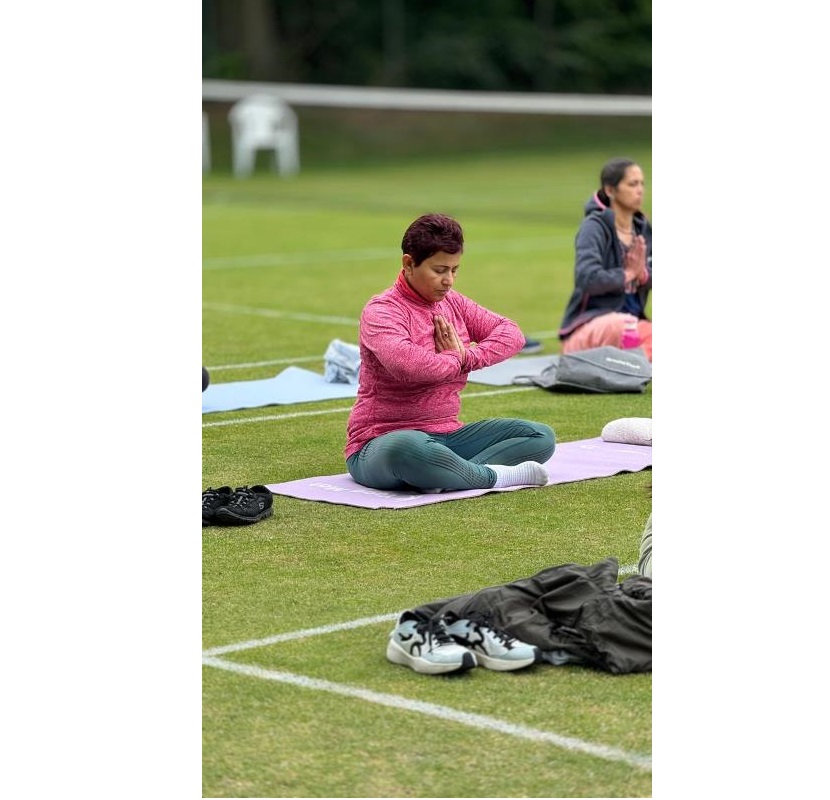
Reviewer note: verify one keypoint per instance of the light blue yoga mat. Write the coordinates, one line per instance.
(292, 385)
(504, 373)
(298, 385)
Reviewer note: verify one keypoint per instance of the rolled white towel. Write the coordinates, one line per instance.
(628, 430)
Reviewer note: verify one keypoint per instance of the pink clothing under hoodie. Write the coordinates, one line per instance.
(403, 383)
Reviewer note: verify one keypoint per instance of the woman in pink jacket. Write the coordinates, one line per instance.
(419, 340)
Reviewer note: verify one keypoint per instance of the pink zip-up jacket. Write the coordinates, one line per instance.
(403, 383)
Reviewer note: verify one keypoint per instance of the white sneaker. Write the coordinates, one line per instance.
(426, 647)
(493, 649)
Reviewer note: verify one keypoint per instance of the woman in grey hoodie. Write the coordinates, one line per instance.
(612, 269)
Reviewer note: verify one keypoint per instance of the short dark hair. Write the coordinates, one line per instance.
(431, 233)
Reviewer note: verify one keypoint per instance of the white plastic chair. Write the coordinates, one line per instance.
(205, 143)
(264, 122)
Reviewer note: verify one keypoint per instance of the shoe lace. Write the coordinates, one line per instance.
(435, 631)
(208, 496)
(483, 621)
(241, 496)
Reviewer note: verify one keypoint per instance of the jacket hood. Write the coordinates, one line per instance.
(594, 205)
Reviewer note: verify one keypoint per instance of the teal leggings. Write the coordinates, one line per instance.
(450, 461)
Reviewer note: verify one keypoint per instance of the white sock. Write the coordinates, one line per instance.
(528, 473)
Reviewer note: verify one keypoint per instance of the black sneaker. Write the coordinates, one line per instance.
(212, 499)
(248, 504)
(531, 346)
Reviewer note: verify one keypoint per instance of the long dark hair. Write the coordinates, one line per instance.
(611, 174)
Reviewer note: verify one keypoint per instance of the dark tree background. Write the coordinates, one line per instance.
(583, 46)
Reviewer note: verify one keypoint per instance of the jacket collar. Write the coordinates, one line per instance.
(404, 288)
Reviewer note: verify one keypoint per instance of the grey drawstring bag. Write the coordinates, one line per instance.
(601, 369)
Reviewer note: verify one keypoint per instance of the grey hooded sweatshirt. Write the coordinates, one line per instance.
(599, 278)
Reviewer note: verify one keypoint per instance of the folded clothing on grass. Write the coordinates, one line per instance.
(341, 362)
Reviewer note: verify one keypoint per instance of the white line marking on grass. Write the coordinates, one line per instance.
(303, 634)
(294, 415)
(296, 360)
(431, 710)
(308, 257)
(277, 314)
(371, 254)
(273, 417)
(492, 392)
(322, 356)
(303, 317)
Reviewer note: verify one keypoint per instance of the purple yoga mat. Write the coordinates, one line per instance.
(571, 461)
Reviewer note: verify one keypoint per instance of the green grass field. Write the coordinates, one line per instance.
(287, 267)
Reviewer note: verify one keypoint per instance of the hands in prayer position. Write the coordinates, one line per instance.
(447, 338)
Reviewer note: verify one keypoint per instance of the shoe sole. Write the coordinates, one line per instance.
(397, 655)
(229, 518)
(505, 665)
(209, 518)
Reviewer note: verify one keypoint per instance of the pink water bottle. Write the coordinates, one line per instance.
(631, 336)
